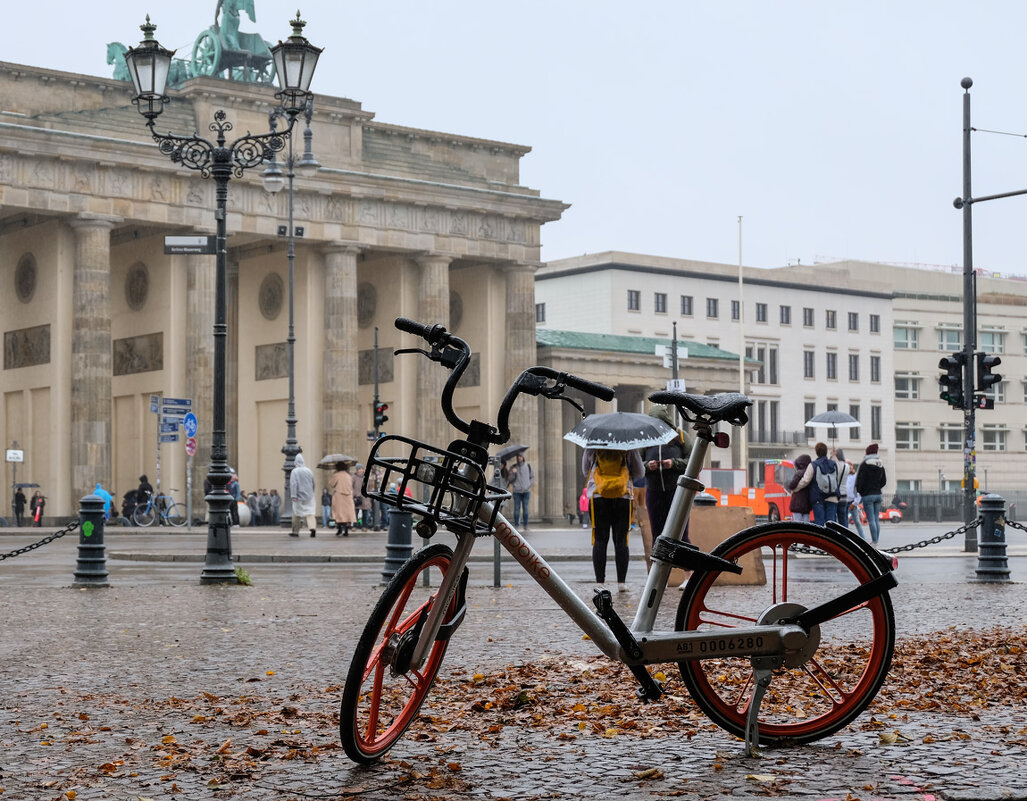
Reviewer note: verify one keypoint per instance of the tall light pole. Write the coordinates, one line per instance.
(149, 64)
(273, 183)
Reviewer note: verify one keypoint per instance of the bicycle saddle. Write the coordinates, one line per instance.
(728, 406)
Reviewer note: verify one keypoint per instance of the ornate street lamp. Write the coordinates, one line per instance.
(274, 182)
(149, 64)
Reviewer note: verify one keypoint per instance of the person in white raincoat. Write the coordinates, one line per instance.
(301, 489)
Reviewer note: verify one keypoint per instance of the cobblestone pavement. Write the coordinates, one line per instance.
(102, 668)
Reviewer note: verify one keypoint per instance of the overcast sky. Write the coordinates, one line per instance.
(832, 128)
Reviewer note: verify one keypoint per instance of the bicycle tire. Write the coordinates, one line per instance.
(175, 515)
(378, 706)
(851, 661)
(144, 515)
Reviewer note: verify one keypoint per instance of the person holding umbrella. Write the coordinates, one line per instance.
(610, 473)
(19, 507)
(521, 478)
(664, 464)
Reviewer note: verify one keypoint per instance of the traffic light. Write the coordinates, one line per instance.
(379, 414)
(986, 379)
(951, 381)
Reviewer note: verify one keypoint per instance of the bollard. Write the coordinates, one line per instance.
(992, 564)
(91, 570)
(398, 543)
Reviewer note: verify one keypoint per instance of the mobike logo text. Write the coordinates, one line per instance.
(525, 553)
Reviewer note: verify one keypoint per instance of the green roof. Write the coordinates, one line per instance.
(578, 340)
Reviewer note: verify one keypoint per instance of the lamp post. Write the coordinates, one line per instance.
(149, 64)
(274, 182)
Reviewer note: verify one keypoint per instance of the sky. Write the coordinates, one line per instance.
(834, 129)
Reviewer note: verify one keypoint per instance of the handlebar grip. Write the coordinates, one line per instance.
(592, 388)
(411, 326)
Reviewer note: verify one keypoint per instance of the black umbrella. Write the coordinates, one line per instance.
(25, 484)
(620, 431)
(510, 451)
(332, 459)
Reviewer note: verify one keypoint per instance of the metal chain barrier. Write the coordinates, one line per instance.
(1014, 524)
(913, 545)
(72, 526)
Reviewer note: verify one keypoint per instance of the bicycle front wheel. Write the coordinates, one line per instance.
(144, 515)
(383, 693)
(839, 680)
(175, 515)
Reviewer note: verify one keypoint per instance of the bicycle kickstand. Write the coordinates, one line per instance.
(761, 675)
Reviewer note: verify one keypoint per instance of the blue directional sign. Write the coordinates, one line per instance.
(169, 437)
(190, 425)
(175, 407)
(168, 427)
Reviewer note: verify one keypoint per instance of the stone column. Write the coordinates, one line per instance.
(91, 355)
(342, 413)
(232, 365)
(521, 353)
(199, 366)
(432, 307)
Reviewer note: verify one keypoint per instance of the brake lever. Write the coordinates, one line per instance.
(550, 391)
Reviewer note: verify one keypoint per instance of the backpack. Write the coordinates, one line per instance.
(611, 474)
(826, 475)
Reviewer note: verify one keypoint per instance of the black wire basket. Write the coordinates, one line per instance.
(441, 485)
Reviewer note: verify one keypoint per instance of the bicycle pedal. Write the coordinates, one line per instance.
(650, 689)
(687, 556)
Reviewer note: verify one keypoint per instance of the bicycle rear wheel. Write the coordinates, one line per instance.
(175, 515)
(837, 682)
(144, 515)
(382, 693)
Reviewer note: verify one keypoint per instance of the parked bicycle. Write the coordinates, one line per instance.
(159, 508)
(780, 660)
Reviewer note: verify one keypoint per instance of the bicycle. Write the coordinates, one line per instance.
(788, 661)
(161, 508)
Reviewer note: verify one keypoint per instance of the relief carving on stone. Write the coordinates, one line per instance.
(25, 275)
(367, 304)
(456, 310)
(137, 286)
(159, 189)
(82, 180)
(27, 347)
(335, 210)
(458, 223)
(430, 220)
(271, 361)
(472, 375)
(399, 216)
(141, 354)
(194, 195)
(117, 181)
(269, 298)
(365, 366)
(368, 212)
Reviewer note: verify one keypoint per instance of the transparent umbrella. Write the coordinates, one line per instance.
(833, 419)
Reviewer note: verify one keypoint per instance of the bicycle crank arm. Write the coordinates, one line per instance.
(843, 603)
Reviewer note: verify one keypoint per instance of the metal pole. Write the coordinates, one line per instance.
(374, 411)
(992, 563)
(291, 447)
(91, 568)
(969, 334)
(743, 450)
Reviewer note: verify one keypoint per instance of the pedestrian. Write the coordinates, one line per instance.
(276, 507)
(664, 464)
(108, 500)
(301, 490)
(343, 511)
(361, 503)
(144, 490)
(583, 507)
(264, 505)
(870, 480)
(799, 504)
(326, 506)
(844, 470)
(521, 477)
(854, 500)
(235, 490)
(19, 507)
(609, 475)
(253, 504)
(36, 506)
(823, 489)
(640, 515)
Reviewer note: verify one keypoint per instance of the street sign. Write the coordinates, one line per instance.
(676, 385)
(154, 403)
(168, 427)
(196, 245)
(177, 402)
(15, 456)
(190, 425)
(190, 446)
(665, 352)
(169, 437)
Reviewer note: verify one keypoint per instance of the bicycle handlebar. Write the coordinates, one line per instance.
(453, 352)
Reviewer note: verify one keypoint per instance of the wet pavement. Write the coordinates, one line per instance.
(117, 671)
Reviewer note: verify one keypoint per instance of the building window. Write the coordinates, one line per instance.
(997, 392)
(540, 312)
(992, 341)
(712, 308)
(853, 367)
(950, 438)
(832, 366)
(686, 305)
(831, 319)
(906, 338)
(807, 320)
(875, 369)
(809, 409)
(907, 437)
(786, 315)
(634, 300)
(761, 312)
(993, 439)
(854, 431)
(875, 324)
(875, 422)
(853, 321)
(907, 387)
(660, 302)
(809, 360)
(736, 310)
(950, 339)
